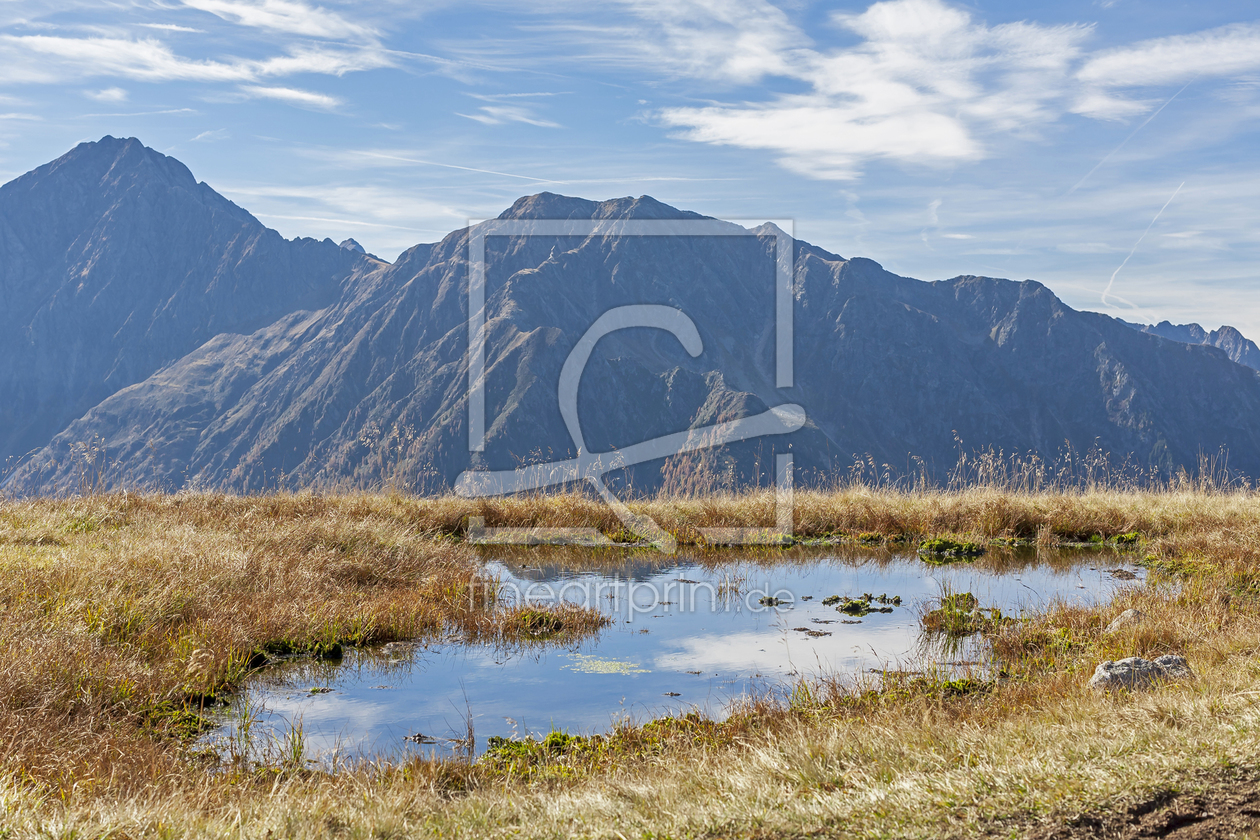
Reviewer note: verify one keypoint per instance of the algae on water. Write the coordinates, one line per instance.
(587, 664)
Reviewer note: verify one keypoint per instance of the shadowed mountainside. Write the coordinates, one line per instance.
(115, 261)
(256, 362)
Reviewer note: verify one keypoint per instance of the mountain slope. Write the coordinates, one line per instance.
(115, 261)
(368, 383)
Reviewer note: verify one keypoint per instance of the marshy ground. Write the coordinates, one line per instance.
(126, 620)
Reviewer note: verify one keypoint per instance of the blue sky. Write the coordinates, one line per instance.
(1107, 149)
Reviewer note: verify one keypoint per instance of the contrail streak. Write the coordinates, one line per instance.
(1139, 242)
(1127, 139)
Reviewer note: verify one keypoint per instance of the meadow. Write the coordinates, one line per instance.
(126, 619)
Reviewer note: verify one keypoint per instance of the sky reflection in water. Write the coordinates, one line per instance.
(703, 650)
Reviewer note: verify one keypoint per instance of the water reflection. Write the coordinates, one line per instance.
(693, 632)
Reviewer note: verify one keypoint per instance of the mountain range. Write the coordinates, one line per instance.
(157, 335)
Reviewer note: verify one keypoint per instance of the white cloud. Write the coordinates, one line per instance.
(740, 42)
(1102, 105)
(212, 136)
(1227, 51)
(933, 206)
(145, 113)
(170, 27)
(498, 112)
(324, 60)
(286, 16)
(924, 85)
(51, 59)
(114, 94)
(293, 96)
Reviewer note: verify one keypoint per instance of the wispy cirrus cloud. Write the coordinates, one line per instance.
(212, 136)
(293, 37)
(734, 42)
(509, 108)
(293, 96)
(1226, 51)
(288, 16)
(170, 27)
(54, 58)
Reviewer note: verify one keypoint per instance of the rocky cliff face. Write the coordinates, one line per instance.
(351, 372)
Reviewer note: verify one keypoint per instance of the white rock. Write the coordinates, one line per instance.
(1136, 672)
(1128, 618)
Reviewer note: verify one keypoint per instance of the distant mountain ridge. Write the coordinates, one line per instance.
(1238, 347)
(200, 349)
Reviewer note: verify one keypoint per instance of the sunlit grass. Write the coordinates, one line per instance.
(122, 616)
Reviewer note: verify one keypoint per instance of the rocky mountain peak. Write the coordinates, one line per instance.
(115, 260)
(1234, 344)
(547, 205)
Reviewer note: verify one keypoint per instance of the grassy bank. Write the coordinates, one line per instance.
(122, 617)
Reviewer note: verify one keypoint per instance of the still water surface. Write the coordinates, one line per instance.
(687, 635)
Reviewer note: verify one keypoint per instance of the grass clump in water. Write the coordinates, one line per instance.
(945, 550)
(960, 614)
(865, 605)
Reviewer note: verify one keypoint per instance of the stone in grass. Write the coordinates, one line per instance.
(1135, 672)
(1126, 620)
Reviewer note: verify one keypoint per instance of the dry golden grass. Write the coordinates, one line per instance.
(981, 512)
(120, 611)
(121, 616)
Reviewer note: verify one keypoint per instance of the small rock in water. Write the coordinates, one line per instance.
(831, 600)
(1128, 618)
(1136, 672)
(673, 694)
(1122, 574)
